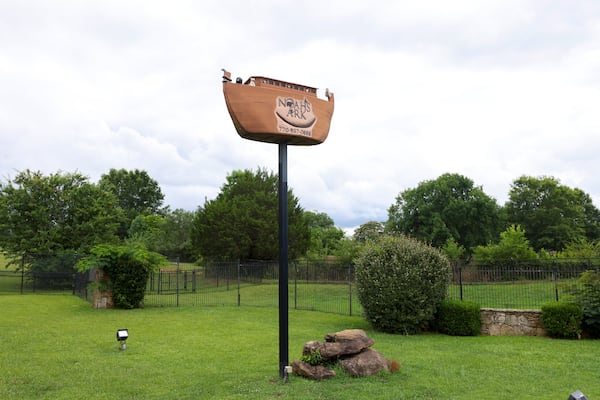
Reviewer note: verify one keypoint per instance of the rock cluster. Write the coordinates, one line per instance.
(351, 348)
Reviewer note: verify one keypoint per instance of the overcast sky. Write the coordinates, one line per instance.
(488, 89)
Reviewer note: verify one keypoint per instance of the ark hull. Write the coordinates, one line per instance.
(272, 111)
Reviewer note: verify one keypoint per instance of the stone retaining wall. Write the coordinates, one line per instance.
(101, 298)
(500, 322)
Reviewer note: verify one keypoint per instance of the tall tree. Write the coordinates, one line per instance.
(447, 207)
(371, 230)
(148, 229)
(513, 245)
(325, 237)
(177, 229)
(242, 221)
(552, 214)
(136, 192)
(54, 213)
(167, 234)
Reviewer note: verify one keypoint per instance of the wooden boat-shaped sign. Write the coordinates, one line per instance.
(274, 111)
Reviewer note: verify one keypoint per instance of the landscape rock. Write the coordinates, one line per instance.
(351, 341)
(347, 335)
(315, 372)
(367, 363)
(350, 348)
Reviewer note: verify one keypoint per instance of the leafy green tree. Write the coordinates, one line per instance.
(324, 236)
(148, 229)
(513, 245)
(447, 207)
(347, 251)
(553, 215)
(167, 234)
(453, 250)
(177, 235)
(54, 213)
(136, 192)
(371, 230)
(242, 221)
(581, 249)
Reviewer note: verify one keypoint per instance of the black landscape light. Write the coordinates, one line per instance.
(122, 335)
(577, 395)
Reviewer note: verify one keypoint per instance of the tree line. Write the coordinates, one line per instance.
(541, 217)
(66, 212)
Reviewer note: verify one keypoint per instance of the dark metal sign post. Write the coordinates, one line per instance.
(283, 261)
(274, 111)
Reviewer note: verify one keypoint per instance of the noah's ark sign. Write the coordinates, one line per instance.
(274, 111)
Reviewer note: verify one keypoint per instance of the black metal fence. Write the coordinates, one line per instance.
(520, 284)
(321, 286)
(313, 285)
(45, 273)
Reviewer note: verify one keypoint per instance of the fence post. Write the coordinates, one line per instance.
(177, 282)
(460, 283)
(295, 284)
(22, 273)
(228, 273)
(239, 299)
(555, 279)
(307, 272)
(194, 280)
(159, 280)
(350, 286)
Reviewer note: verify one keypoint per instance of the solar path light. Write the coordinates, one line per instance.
(577, 395)
(122, 335)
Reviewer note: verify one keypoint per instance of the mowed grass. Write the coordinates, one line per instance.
(333, 298)
(343, 298)
(58, 347)
(10, 280)
(519, 295)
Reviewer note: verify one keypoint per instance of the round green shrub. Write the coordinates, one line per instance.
(458, 318)
(400, 283)
(587, 295)
(562, 320)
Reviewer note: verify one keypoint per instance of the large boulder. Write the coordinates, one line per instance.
(314, 372)
(348, 342)
(366, 363)
(351, 348)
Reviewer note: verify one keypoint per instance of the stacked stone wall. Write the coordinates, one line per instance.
(505, 322)
(102, 298)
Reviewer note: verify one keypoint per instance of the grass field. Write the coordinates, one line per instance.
(334, 298)
(58, 347)
(337, 298)
(519, 295)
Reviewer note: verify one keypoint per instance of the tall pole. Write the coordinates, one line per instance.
(283, 260)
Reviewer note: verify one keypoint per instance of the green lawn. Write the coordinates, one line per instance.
(58, 347)
(520, 295)
(334, 298)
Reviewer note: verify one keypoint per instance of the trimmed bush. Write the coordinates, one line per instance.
(587, 295)
(400, 283)
(458, 318)
(562, 320)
